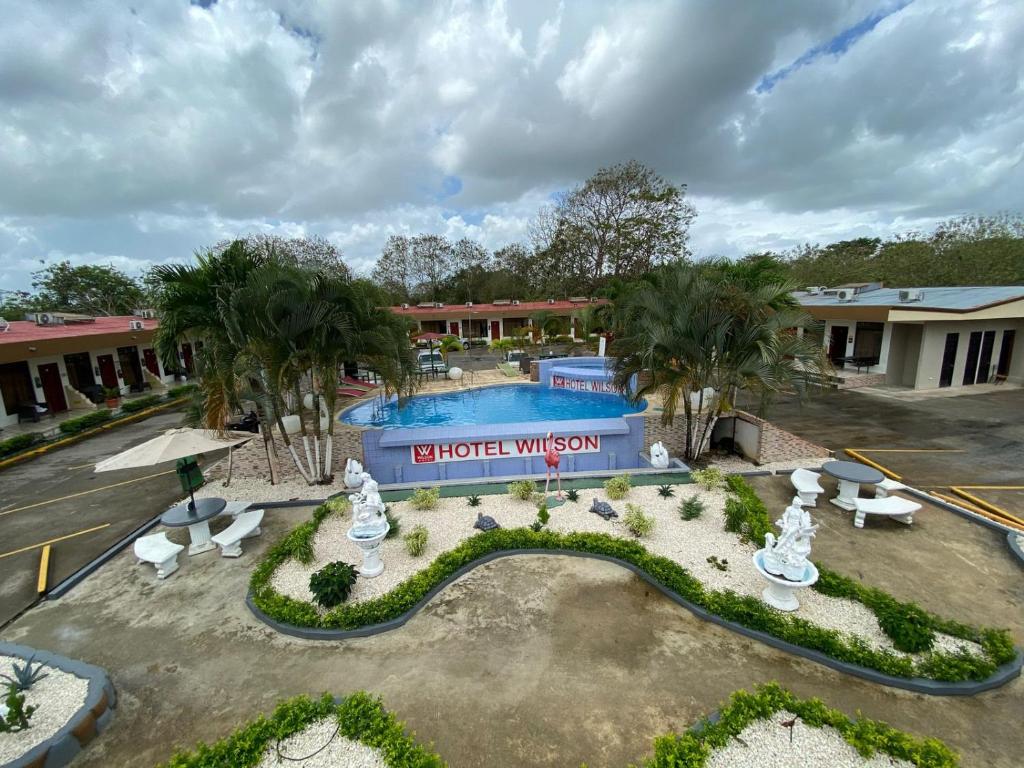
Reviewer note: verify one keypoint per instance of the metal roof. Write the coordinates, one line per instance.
(955, 298)
(28, 331)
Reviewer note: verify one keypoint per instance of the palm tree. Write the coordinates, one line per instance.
(687, 332)
(590, 319)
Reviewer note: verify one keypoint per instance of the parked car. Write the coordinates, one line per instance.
(431, 361)
(514, 356)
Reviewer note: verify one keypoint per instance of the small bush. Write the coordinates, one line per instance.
(25, 675)
(19, 443)
(543, 516)
(691, 509)
(745, 513)
(416, 541)
(180, 391)
(82, 423)
(907, 625)
(332, 584)
(617, 487)
(522, 489)
(572, 494)
(140, 404)
(714, 562)
(17, 713)
(474, 500)
(394, 521)
(425, 498)
(666, 491)
(709, 479)
(637, 522)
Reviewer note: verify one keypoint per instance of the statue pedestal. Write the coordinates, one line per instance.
(370, 546)
(780, 592)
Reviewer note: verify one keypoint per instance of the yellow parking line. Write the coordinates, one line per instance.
(44, 569)
(994, 487)
(53, 541)
(83, 493)
(987, 505)
(864, 460)
(912, 450)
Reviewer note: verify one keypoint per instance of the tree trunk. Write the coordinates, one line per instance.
(313, 470)
(227, 480)
(291, 450)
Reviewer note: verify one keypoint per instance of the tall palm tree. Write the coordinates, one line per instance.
(686, 332)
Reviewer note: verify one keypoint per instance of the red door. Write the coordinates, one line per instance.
(108, 373)
(151, 364)
(186, 354)
(53, 387)
(453, 329)
(495, 330)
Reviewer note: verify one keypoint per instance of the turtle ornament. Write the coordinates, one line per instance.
(485, 522)
(604, 509)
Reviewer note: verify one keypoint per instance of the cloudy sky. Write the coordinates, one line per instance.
(133, 133)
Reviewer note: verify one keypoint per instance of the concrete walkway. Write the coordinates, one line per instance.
(527, 661)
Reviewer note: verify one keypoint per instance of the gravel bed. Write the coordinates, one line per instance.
(688, 543)
(59, 696)
(730, 464)
(766, 744)
(340, 753)
(260, 489)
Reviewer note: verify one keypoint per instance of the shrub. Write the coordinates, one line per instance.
(709, 479)
(666, 491)
(474, 500)
(425, 498)
(692, 508)
(617, 487)
(25, 675)
(181, 391)
(416, 541)
(394, 521)
(140, 404)
(572, 494)
(82, 423)
(543, 516)
(522, 489)
(637, 522)
(17, 713)
(907, 625)
(19, 443)
(714, 562)
(745, 513)
(332, 584)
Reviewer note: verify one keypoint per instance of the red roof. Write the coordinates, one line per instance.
(26, 330)
(525, 307)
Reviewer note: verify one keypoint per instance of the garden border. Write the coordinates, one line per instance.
(1015, 549)
(1002, 675)
(88, 722)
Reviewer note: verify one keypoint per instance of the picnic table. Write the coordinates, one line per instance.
(195, 515)
(850, 475)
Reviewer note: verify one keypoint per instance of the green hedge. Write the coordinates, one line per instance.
(140, 404)
(180, 391)
(82, 423)
(868, 737)
(19, 443)
(747, 611)
(360, 716)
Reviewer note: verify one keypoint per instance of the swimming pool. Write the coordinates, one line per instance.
(513, 403)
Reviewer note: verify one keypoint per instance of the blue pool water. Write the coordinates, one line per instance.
(490, 405)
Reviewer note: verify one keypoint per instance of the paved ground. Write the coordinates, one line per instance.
(959, 440)
(58, 495)
(528, 661)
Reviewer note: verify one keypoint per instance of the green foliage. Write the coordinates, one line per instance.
(908, 625)
(474, 500)
(666, 491)
(868, 737)
(691, 509)
(748, 611)
(19, 443)
(112, 393)
(617, 487)
(416, 540)
(140, 404)
(394, 521)
(522, 489)
(709, 479)
(425, 498)
(90, 289)
(18, 714)
(572, 494)
(714, 562)
(637, 522)
(361, 717)
(173, 393)
(333, 583)
(543, 517)
(745, 513)
(82, 423)
(25, 675)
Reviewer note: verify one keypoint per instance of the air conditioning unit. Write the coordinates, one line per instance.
(551, 301)
(404, 305)
(469, 303)
(911, 294)
(814, 290)
(45, 318)
(4, 325)
(845, 294)
(515, 302)
(136, 325)
(438, 304)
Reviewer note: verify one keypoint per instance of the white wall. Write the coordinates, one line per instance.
(851, 338)
(933, 345)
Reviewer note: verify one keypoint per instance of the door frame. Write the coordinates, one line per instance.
(56, 399)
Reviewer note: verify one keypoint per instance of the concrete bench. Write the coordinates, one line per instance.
(887, 486)
(895, 507)
(807, 486)
(160, 551)
(246, 524)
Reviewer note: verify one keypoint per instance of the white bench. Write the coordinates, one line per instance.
(807, 486)
(895, 507)
(887, 486)
(246, 524)
(160, 551)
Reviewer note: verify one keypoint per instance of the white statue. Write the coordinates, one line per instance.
(788, 554)
(353, 474)
(368, 518)
(659, 456)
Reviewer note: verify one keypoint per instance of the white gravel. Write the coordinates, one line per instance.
(689, 543)
(339, 753)
(732, 464)
(58, 697)
(766, 744)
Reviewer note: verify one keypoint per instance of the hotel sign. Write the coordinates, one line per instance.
(521, 447)
(584, 385)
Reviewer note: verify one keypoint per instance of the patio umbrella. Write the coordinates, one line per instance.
(171, 445)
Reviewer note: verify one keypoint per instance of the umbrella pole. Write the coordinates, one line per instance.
(191, 495)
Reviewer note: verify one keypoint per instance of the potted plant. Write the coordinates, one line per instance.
(113, 395)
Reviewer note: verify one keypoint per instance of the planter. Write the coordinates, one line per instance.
(113, 402)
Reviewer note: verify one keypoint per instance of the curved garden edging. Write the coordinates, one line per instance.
(1002, 675)
(91, 719)
(1011, 539)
